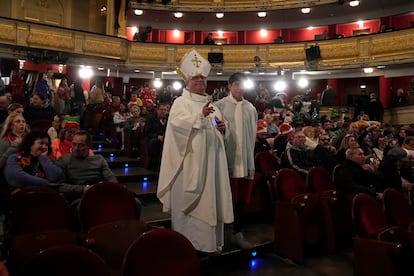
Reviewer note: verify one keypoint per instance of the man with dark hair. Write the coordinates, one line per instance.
(208, 40)
(242, 117)
(156, 127)
(82, 169)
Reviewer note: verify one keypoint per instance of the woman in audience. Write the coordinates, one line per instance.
(120, 117)
(379, 145)
(11, 136)
(15, 108)
(349, 141)
(31, 166)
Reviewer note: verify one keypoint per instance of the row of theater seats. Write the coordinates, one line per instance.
(310, 212)
(111, 240)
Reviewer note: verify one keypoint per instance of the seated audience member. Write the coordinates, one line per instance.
(81, 169)
(14, 130)
(119, 118)
(54, 129)
(155, 132)
(272, 128)
(325, 152)
(39, 110)
(261, 138)
(400, 99)
(395, 170)
(379, 145)
(354, 176)
(31, 166)
(136, 127)
(408, 146)
(208, 40)
(353, 129)
(349, 141)
(282, 139)
(15, 108)
(63, 144)
(298, 156)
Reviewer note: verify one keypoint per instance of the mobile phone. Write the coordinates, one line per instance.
(214, 122)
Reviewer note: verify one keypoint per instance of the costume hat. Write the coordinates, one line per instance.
(71, 122)
(261, 126)
(193, 65)
(285, 128)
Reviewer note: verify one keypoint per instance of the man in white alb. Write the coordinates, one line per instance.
(194, 183)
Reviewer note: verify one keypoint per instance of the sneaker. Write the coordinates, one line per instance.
(239, 240)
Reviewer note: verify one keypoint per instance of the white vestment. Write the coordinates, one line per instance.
(241, 137)
(194, 184)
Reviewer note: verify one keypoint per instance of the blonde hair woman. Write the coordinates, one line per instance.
(11, 136)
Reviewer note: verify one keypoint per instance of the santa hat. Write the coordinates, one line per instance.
(261, 126)
(285, 129)
(150, 101)
(193, 65)
(275, 114)
(71, 122)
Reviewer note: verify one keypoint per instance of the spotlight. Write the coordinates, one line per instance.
(305, 10)
(261, 14)
(138, 12)
(368, 70)
(178, 14)
(354, 3)
(219, 15)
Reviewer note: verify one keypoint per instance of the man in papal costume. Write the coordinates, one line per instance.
(194, 183)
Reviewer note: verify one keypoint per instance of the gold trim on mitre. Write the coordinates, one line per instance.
(192, 65)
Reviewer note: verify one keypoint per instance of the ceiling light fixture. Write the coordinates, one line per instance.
(262, 14)
(138, 12)
(305, 10)
(368, 70)
(178, 14)
(219, 15)
(354, 3)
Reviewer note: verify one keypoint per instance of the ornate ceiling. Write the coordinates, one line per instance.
(241, 14)
(228, 5)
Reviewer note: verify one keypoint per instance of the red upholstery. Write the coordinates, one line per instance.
(266, 163)
(369, 217)
(36, 209)
(397, 208)
(66, 260)
(112, 240)
(3, 270)
(319, 180)
(106, 202)
(289, 184)
(161, 252)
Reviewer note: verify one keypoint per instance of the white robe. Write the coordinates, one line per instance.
(194, 184)
(247, 134)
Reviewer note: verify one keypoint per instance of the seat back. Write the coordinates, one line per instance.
(106, 202)
(161, 252)
(65, 260)
(368, 216)
(397, 208)
(36, 209)
(288, 184)
(319, 180)
(266, 163)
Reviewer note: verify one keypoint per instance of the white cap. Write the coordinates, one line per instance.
(192, 65)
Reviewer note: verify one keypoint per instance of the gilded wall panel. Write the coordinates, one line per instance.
(239, 54)
(392, 44)
(7, 33)
(339, 50)
(288, 54)
(148, 53)
(50, 39)
(106, 48)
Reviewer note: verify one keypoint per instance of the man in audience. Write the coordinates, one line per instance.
(241, 117)
(353, 129)
(298, 156)
(155, 134)
(325, 152)
(81, 169)
(355, 176)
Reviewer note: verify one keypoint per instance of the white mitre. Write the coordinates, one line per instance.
(193, 65)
